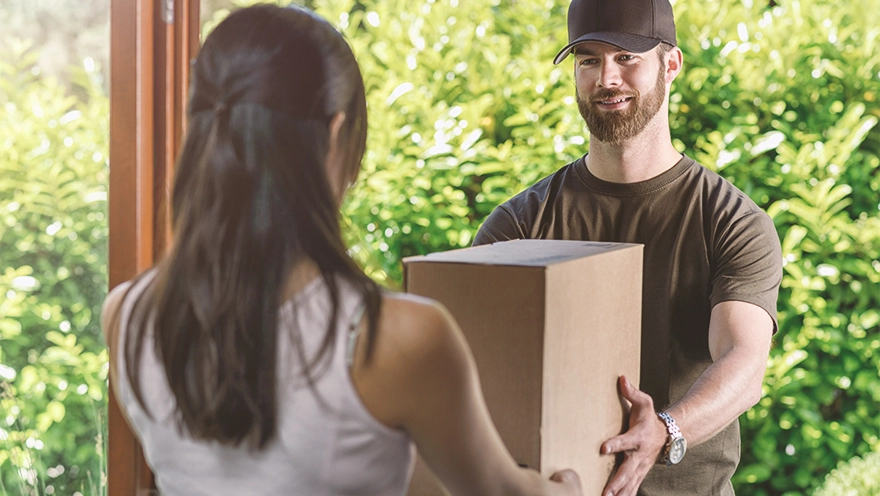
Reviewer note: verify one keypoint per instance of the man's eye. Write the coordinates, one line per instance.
(587, 61)
(627, 57)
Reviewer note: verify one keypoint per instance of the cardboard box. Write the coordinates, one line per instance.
(551, 324)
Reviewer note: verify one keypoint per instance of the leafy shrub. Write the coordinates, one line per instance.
(779, 97)
(782, 101)
(466, 109)
(856, 477)
(53, 277)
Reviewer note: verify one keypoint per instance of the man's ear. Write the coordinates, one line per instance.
(674, 60)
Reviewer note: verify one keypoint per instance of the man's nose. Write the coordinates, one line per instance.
(609, 76)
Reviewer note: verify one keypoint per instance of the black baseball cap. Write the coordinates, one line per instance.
(632, 25)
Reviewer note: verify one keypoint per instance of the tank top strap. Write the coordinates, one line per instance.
(354, 330)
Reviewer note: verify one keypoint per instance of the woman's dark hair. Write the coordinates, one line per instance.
(251, 199)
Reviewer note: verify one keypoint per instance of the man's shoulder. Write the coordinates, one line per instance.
(545, 188)
(722, 192)
(515, 218)
(734, 215)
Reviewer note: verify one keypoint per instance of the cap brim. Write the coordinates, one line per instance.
(625, 41)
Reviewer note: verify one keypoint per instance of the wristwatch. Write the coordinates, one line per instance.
(676, 445)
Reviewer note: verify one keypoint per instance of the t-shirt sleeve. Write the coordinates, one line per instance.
(500, 225)
(749, 264)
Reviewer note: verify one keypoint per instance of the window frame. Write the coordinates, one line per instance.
(151, 45)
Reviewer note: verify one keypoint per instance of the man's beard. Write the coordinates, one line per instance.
(616, 127)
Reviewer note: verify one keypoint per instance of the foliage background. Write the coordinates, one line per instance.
(859, 475)
(466, 109)
(53, 234)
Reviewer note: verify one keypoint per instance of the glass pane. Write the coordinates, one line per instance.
(53, 245)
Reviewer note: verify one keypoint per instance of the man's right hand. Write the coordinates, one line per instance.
(640, 444)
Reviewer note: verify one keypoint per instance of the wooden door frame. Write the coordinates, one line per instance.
(151, 44)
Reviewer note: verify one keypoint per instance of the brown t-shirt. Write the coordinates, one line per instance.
(705, 242)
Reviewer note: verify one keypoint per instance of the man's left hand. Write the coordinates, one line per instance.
(640, 444)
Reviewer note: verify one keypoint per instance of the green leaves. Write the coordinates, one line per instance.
(857, 476)
(53, 234)
(465, 110)
(783, 101)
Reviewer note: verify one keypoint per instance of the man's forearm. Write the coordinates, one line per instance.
(739, 341)
(727, 389)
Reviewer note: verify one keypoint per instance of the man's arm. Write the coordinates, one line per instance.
(739, 342)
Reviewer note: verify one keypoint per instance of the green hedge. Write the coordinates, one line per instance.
(856, 477)
(466, 109)
(783, 101)
(53, 278)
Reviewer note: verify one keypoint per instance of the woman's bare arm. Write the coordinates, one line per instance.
(110, 314)
(422, 379)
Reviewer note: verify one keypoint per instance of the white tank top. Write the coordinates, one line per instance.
(326, 443)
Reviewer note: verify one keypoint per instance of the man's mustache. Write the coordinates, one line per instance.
(606, 94)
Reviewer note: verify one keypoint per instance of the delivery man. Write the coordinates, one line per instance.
(712, 262)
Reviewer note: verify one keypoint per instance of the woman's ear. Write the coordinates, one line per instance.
(337, 174)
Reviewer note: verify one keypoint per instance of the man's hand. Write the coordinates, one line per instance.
(640, 444)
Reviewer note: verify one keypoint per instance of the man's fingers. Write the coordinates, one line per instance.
(633, 394)
(636, 444)
(618, 444)
(622, 484)
(628, 478)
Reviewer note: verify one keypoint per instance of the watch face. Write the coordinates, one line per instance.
(676, 450)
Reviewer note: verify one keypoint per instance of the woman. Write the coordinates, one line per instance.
(256, 358)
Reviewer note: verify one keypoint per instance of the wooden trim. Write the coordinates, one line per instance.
(129, 250)
(149, 61)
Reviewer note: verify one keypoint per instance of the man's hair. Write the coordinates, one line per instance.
(662, 50)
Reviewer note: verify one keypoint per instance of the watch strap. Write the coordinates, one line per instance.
(671, 426)
(674, 433)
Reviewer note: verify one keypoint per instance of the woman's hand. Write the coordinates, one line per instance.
(570, 481)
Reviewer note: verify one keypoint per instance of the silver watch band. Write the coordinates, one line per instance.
(676, 445)
(671, 426)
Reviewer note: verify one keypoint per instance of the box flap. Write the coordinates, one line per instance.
(521, 252)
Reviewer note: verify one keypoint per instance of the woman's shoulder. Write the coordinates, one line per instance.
(415, 324)
(114, 298)
(111, 311)
(417, 348)
(409, 308)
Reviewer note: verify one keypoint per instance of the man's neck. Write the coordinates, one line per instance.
(646, 155)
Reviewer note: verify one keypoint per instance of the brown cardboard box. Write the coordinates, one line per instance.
(551, 324)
